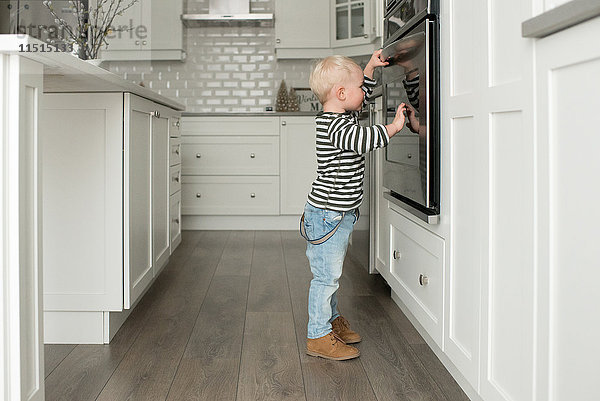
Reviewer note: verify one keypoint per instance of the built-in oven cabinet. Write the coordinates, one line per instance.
(415, 271)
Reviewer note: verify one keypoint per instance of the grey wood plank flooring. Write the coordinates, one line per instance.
(226, 320)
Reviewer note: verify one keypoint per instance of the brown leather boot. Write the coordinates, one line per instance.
(341, 328)
(330, 346)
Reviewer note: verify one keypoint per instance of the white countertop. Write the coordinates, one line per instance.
(64, 72)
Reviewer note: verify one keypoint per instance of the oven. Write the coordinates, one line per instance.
(411, 171)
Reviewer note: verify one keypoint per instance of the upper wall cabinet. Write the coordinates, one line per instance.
(152, 31)
(316, 28)
(301, 28)
(354, 22)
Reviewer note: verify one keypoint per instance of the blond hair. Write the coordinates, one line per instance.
(328, 72)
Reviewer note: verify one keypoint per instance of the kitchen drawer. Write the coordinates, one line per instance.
(230, 195)
(175, 219)
(216, 155)
(175, 152)
(417, 272)
(405, 149)
(174, 127)
(231, 125)
(175, 179)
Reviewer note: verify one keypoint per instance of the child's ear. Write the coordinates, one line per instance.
(340, 93)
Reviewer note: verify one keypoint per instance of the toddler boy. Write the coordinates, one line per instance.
(332, 207)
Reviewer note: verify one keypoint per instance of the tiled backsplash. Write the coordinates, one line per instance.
(228, 68)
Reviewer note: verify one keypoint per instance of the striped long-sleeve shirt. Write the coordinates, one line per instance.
(341, 145)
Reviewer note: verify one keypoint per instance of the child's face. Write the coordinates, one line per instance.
(353, 91)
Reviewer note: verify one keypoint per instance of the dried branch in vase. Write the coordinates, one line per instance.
(94, 24)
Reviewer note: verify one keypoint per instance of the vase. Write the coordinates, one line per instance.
(94, 61)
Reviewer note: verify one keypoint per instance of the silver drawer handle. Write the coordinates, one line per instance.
(253, 195)
(410, 156)
(252, 155)
(277, 40)
(198, 195)
(137, 42)
(283, 123)
(176, 179)
(177, 124)
(176, 221)
(198, 155)
(397, 255)
(423, 280)
(177, 151)
(144, 42)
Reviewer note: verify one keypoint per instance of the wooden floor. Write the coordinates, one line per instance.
(226, 320)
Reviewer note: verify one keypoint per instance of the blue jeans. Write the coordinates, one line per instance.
(326, 261)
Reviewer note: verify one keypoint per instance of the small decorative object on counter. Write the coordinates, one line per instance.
(282, 98)
(293, 101)
(307, 100)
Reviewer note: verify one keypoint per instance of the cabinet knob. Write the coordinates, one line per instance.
(423, 280)
(177, 124)
(137, 42)
(366, 36)
(283, 123)
(155, 113)
(252, 155)
(198, 195)
(397, 255)
(277, 41)
(410, 156)
(198, 155)
(253, 195)
(145, 43)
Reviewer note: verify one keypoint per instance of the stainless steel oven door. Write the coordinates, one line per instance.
(410, 165)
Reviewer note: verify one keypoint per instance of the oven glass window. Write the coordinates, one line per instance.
(402, 15)
(406, 82)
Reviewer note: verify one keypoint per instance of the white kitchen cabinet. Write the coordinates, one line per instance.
(175, 181)
(153, 32)
(106, 209)
(567, 297)
(353, 22)
(298, 162)
(416, 272)
(246, 172)
(345, 27)
(302, 28)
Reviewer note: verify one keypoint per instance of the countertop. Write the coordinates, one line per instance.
(254, 114)
(64, 72)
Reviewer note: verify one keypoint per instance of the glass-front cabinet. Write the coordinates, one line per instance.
(353, 22)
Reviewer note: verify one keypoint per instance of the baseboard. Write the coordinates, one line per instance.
(72, 327)
(456, 374)
(194, 222)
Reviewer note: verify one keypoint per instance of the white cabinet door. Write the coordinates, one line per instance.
(301, 24)
(82, 193)
(352, 22)
(160, 189)
(298, 162)
(133, 29)
(21, 337)
(138, 195)
(568, 322)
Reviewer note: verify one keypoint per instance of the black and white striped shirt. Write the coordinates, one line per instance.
(341, 144)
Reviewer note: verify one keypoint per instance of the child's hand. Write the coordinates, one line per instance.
(398, 123)
(413, 120)
(374, 62)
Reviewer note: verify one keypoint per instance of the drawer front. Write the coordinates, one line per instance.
(175, 217)
(174, 127)
(175, 179)
(417, 266)
(175, 153)
(230, 155)
(231, 125)
(238, 195)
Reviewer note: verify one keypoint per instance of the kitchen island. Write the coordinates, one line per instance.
(81, 223)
